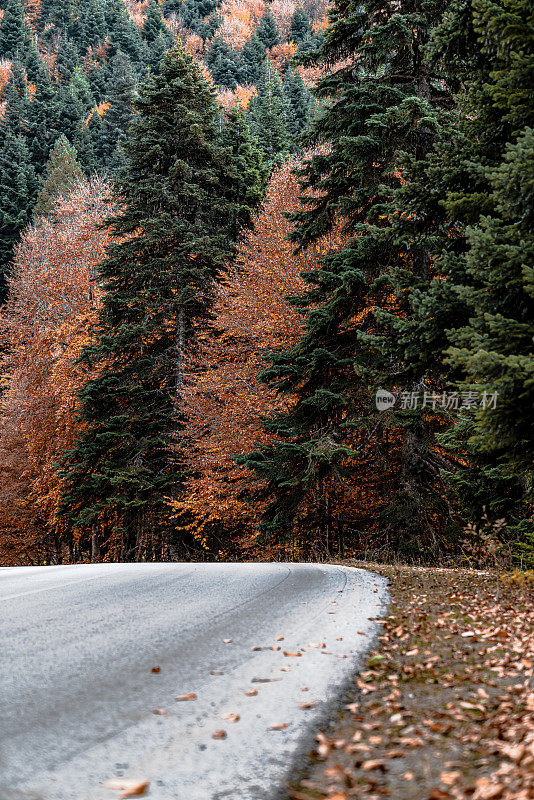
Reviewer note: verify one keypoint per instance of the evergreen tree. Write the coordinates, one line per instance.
(14, 33)
(17, 195)
(117, 118)
(252, 61)
(43, 120)
(62, 174)
(270, 112)
(222, 61)
(377, 113)
(267, 29)
(298, 100)
(248, 174)
(125, 466)
(153, 25)
(67, 60)
(300, 26)
(17, 103)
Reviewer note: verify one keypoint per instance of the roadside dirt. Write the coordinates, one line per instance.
(445, 707)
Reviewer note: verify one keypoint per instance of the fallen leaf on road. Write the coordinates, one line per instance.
(136, 791)
(251, 692)
(220, 734)
(303, 688)
(275, 647)
(215, 672)
(439, 794)
(155, 669)
(280, 639)
(292, 655)
(227, 641)
(231, 717)
(159, 711)
(128, 788)
(306, 706)
(255, 648)
(188, 696)
(278, 726)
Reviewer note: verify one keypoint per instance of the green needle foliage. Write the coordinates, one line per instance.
(176, 228)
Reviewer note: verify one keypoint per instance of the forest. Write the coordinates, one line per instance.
(267, 280)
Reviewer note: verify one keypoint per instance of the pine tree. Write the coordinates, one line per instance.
(222, 61)
(62, 174)
(117, 118)
(17, 195)
(124, 466)
(267, 29)
(376, 113)
(300, 26)
(17, 103)
(14, 33)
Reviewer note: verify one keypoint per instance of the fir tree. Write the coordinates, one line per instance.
(43, 120)
(117, 118)
(376, 113)
(153, 25)
(270, 112)
(298, 101)
(17, 195)
(252, 61)
(267, 29)
(300, 26)
(14, 33)
(248, 174)
(62, 174)
(124, 465)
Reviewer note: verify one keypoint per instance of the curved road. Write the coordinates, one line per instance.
(77, 690)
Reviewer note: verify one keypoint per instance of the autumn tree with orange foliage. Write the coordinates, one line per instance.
(224, 401)
(43, 327)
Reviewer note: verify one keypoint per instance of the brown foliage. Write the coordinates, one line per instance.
(223, 400)
(43, 327)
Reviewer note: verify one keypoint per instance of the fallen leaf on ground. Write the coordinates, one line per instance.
(227, 641)
(251, 692)
(159, 711)
(216, 672)
(188, 696)
(278, 726)
(306, 706)
(292, 655)
(231, 717)
(219, 734)
(155, 669)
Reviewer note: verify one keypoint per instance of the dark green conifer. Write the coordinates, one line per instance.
(62, 174)
(14, 33)
(117, 118)
(267, 29)
(298, 99)
(384, 108)
(248, 172)
(125, 466)
(252, 61)
(300, 26)
(17, 195)
(269, 113)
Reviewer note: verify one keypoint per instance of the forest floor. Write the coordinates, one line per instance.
(445, 705)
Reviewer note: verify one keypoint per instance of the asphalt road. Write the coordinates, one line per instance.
(77, 690)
